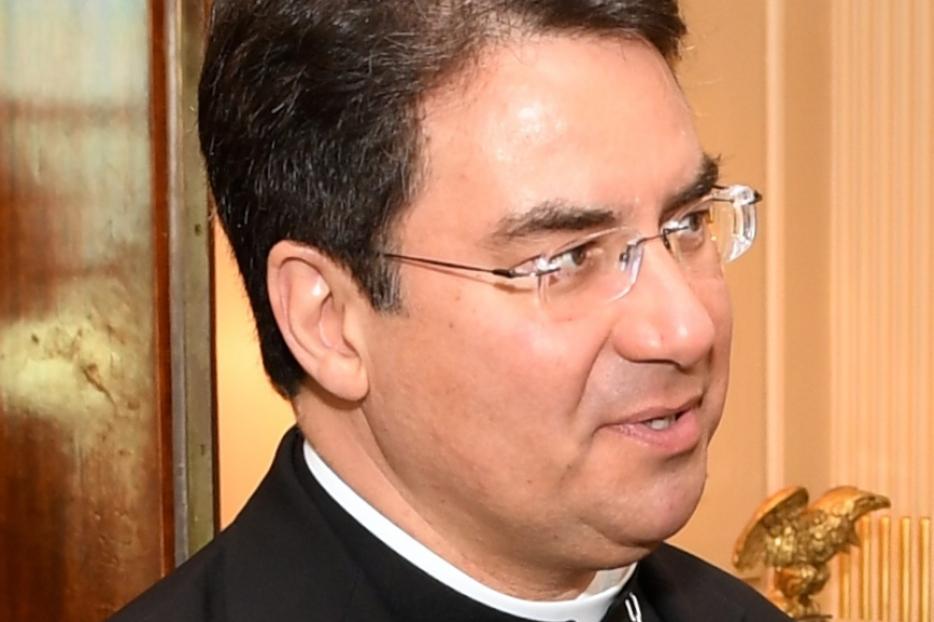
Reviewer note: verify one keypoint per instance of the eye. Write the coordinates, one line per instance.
(574, 267)
(573, 258)
(574, 263)
(695, 221)
(691, 229)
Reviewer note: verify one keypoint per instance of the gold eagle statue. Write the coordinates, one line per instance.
(798, 540)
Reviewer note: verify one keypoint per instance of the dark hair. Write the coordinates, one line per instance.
(308, 118)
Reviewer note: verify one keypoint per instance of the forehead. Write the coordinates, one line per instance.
(578, 120)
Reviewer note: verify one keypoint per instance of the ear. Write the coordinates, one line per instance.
(313, 300)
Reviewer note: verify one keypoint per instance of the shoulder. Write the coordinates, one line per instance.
(690, 579)
(278, 560)
(681, 566)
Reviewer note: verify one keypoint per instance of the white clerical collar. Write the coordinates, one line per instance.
(590, 606)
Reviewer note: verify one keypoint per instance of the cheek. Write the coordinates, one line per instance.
(716, 299)
(723, 321)
(497, 362)
(463, 371)
(525, 358)
(714, 295)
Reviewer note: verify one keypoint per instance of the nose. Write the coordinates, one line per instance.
(664, 318)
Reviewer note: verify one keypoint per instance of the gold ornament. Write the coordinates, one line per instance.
(798, 541)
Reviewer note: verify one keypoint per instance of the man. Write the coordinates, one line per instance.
(484, 251)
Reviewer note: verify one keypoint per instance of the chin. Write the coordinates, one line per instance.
(672, 502)
(632, 533)
(675, 520)
(674, 515)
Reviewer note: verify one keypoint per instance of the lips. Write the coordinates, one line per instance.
(669, 430)
(661, 413)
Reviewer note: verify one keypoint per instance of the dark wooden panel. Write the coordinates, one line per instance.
(85, 496)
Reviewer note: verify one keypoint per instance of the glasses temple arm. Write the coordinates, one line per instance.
(508, 273)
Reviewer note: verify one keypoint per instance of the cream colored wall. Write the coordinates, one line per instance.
(880, 247)
(251, 416)
(798, 304)
(881, 272)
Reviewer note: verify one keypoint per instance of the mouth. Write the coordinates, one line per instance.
(670, 431)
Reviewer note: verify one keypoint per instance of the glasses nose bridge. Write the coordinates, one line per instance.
(640, 243)
(637, 248)
(661, 235)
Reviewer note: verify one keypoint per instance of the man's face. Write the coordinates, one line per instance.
(515, 435)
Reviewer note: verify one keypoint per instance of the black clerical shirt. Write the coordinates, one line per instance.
(294, 555)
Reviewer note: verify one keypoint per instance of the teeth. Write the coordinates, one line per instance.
(662, 423)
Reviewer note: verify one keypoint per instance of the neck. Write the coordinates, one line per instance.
(344, 440)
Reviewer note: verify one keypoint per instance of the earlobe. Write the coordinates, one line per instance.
(306, 291)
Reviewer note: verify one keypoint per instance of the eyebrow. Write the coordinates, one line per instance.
(706, 180)
(561, 215)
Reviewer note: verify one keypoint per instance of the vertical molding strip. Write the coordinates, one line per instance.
(923, 257)
(191, 284)
(839, 122)
(775, 247)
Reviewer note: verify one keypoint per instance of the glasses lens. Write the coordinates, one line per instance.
(711, 234)
(735, 228)
(695, 237)
(603, 266)
(589, 271)
(742, 230)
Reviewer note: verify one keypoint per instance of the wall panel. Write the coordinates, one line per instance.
(104, 304)
(880, 239)
(83, 521)
(881, 236)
